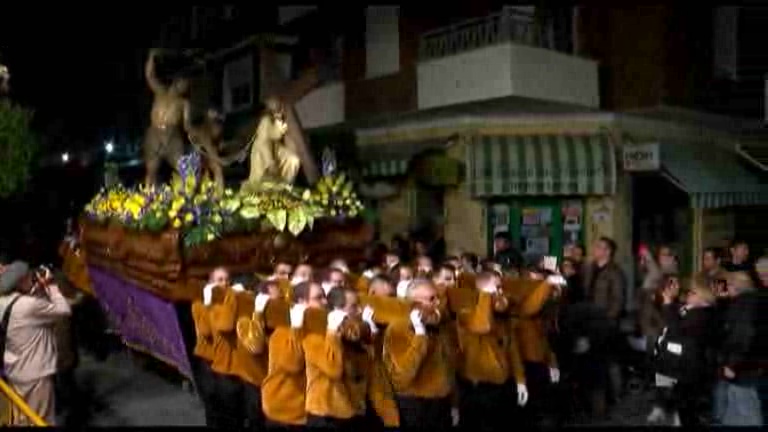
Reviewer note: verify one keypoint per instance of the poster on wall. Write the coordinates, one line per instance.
(572, 221)
(500, 218)
(537, 246)
(535, 232)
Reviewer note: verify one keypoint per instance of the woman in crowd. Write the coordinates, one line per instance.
(684, 352)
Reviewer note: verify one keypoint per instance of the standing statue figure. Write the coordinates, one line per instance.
(164, 138)
(272, 154)
(207, 138)
(5, 76)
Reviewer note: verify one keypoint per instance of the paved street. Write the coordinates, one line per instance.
(119, 392)
(124, 391)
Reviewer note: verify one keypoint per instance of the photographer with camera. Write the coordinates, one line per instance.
(30, 305)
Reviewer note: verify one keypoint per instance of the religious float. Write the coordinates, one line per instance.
(146, 252)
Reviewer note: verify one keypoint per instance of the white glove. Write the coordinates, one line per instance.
(522, 394)
(369, 274)
(208, 294)
(402, 288)
(368, 318)
(418, 324)
(549, 263)
(297, 315)
(554, 375)
(297, 280)
(582, 345)
(335, 318)
(327, 287)
(272, 278)
(455, 417)
(489, 288)
(557, 280)
(261, 303)
(238, 287)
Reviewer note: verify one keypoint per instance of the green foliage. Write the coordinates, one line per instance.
(18, 146)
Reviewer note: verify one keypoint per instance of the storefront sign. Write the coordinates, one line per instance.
(645, 157)
(145, 322)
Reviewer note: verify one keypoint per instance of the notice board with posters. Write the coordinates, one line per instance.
(539, 226)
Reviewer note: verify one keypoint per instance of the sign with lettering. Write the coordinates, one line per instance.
(145, 322)
(644, 157)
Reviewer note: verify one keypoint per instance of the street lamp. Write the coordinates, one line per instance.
(109, 147)
(65, 157)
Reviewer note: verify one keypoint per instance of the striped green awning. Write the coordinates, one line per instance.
(541, 165)
(393, 159)
(386, 168)
(714, 178)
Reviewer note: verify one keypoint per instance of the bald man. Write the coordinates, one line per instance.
(418, 364)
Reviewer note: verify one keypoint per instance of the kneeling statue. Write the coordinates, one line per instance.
(272, 155)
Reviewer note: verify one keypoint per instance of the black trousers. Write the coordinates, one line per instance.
(685, 399)
(424, 413)
(254, 415)
(272, 426)
(371, 422)
(537, 412)
(65, 390)
(205, 385)
(227, 402)
(325, 423)
(484, 407)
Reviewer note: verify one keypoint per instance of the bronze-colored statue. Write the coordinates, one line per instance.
(271, 155)
(207, 138)
(164, 138)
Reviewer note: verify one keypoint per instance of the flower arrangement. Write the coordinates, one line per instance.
(193, 207)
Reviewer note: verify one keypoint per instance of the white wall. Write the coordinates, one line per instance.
(287, 14)
(382, 41)
(507, 70)
(322, 107)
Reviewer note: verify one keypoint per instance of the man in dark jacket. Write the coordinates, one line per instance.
(736, 398)
(505, 254)
(740, 262)
(605, 287)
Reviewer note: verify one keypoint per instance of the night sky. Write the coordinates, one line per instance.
(80, 68)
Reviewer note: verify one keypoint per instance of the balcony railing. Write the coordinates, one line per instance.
(506, 26)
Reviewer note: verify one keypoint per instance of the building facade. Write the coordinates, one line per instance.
(543, 111)
(558, 124)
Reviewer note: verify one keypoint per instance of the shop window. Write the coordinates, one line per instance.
(539, 226)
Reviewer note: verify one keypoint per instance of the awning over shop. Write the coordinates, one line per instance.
(713, 177)
(393, 159)
(541, 165)
(386, 168)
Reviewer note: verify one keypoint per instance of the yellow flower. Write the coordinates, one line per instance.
(176, 223)
(210, 237)
(189, 217)
(217, 219)
(172, 214)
